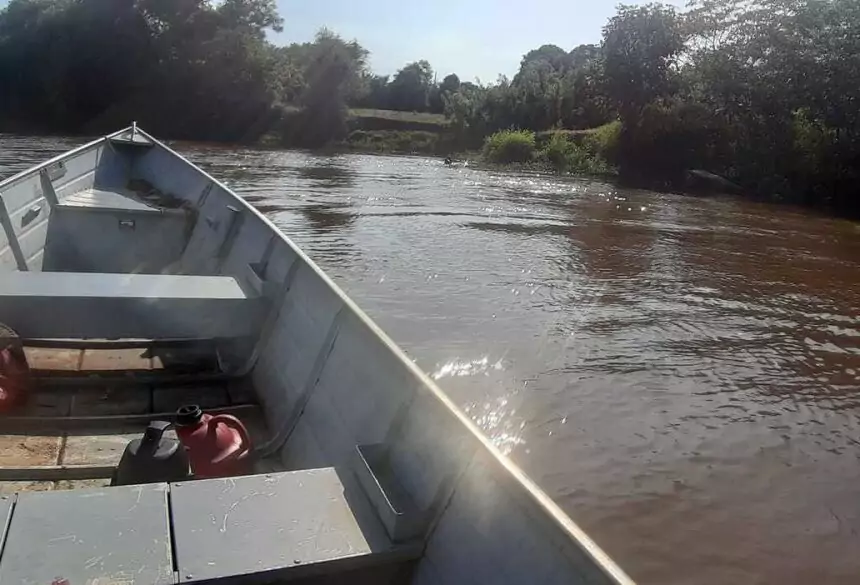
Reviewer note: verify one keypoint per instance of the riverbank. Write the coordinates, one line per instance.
(589, 153)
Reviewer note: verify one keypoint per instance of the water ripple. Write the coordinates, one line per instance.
(681, 374)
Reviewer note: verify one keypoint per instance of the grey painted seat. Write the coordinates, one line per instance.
(307, 525)
(119, 306)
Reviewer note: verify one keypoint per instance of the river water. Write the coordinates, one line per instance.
(681, 374)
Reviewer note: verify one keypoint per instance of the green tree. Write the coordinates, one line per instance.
(464, 108)
(765, 92)
(584, 102)
(641, 45)
(333, 70)
(782, 77)
(254, 16)
(410, 88)
(436, 100)
(182, 67)
(450, 84)
(374, 92)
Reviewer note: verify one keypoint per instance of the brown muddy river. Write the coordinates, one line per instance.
(681, 374)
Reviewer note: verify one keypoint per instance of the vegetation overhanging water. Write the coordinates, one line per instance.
(758, 97)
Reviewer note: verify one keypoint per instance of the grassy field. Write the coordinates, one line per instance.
(421, 117)
(396, 141)
(365, 119)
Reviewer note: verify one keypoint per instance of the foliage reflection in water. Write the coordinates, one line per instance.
(681, 374)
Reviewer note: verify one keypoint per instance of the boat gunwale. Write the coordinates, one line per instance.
(26, 173)
(528, 488)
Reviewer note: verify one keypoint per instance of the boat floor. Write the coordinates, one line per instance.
(87, 404)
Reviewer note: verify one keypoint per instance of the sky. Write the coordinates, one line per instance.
(472, 38)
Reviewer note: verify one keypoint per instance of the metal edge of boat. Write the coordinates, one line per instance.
(531, 489)
(561, 527)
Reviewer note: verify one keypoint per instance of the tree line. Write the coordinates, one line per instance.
(191, 69)
(764, 92)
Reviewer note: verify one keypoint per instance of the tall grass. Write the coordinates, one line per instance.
(510, 146)
(603, 141)
(566, 156)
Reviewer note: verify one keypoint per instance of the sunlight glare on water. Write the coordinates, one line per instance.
(682, 375)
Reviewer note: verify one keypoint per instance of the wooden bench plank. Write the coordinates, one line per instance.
(116, 360)
(58, 360)
(56, 472)
(29, 450)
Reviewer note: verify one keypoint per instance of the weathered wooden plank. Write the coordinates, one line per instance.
(81, 484)
(26, 450)
(116, 360)
(65, 343)
(8, 488)
(98, 449)
(57, 360)
(55, 472)
(111, 401)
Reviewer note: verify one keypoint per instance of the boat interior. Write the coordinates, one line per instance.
(118, 322)
(137, 283)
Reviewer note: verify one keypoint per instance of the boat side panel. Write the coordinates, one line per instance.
(114, 169)
(489, 533)
(211, 232)
(303, 450)
(249, 249)
(299, 344)
(34, 234)
(29, 211)
(66, 175)
(27, 214)
(428, 451)
(170, 174)
(174, 177)
(7, 257)
(80, 172)
(367, 391)
(487, 529)
(361, 391)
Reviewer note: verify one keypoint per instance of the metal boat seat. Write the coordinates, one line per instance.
(121, 306)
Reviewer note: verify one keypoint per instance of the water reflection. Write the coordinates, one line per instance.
(682, 375)
(19, 153)
(332, 174)
(526, 229)
(269, 208)
(329, 214)
(325, 218)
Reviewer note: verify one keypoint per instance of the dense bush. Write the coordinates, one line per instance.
(603, 141)
(510, 146)
(558, 151)
(668, 139)
(765, 93)
(565, 155)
